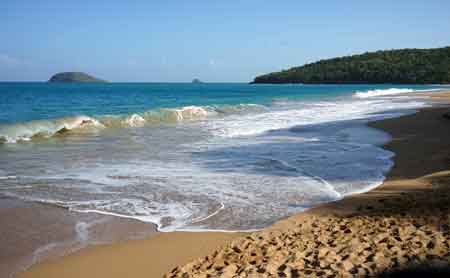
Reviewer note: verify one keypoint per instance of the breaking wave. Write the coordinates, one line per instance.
(387, 92)
(47, 128)
(39, 129)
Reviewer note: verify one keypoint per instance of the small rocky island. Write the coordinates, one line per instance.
(74, 77)
(196, 81)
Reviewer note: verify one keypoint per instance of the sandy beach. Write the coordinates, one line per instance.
(402, 224)
(32, 232)
(224, 139)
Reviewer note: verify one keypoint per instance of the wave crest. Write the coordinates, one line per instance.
(84, 124)
(188, 112)
(46, 128)
(382, 92)
(135, 120)
(391, 91)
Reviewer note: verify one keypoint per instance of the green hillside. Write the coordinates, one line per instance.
(412, 66)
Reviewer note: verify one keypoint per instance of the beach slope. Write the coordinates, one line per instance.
(401, 226)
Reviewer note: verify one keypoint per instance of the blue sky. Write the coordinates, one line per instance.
(174, 40)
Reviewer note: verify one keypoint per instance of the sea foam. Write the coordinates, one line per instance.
(41, 129)
(206, 167)
(382, 92)
(46, 128)
(388, 92)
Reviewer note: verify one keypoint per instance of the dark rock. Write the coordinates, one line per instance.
(74, 77)
(196, 81)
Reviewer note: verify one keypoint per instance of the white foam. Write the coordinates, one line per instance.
(196, 220)
(41, 251)
(82, 230)
(190, 112)
(382, 92)
(138, 210)
(24, 132)
(251, 187)
(46, 128)
(287, 116)
(389, 92)
(135, 120)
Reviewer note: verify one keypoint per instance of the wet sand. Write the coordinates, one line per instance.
(151, 257)
(402, 226)
(31, 232)
(404, 223)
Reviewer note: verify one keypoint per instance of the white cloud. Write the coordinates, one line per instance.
(9, 61)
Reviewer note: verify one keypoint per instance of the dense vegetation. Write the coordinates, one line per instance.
(71, 77)
(423, 66)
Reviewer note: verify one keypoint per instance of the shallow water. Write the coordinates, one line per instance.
(194, 156)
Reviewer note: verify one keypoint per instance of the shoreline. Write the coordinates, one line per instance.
(24, 224)
(175, 245)
(401, 226)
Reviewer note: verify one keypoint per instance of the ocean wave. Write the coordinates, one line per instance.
(46, 128)
(164, 115)
(40, 129)
(305, 113)
(387, 92)
(239, 108)
(382, 92)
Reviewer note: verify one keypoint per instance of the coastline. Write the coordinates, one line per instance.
(159, 254)
(33, 232)
(150, 257)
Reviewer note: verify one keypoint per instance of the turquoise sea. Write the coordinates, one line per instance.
(195, 156)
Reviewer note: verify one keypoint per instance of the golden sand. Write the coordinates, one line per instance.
(136, 258)
(403, 224)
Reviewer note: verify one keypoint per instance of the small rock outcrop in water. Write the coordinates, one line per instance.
(73, 77)
(196, 81)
